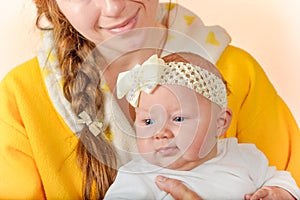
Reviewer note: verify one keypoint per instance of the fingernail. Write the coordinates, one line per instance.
(161, 178)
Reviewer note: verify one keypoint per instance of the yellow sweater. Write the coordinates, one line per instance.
(37, 148)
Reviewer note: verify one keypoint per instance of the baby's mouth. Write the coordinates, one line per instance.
(167, 151)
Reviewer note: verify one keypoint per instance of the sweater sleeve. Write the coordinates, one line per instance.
(260, 116)
(19, 176)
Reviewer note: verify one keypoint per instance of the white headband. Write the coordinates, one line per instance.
(155, 71)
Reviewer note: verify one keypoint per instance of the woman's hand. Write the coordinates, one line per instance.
(176, 188)
(270, 193)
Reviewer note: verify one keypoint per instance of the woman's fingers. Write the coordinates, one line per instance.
(175, 188)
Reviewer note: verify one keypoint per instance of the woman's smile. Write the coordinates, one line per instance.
(123, 26)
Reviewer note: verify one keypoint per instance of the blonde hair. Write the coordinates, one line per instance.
(79, 62)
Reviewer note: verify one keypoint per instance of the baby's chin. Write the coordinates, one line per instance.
(165, 162)
(173, 163)
(179, 164)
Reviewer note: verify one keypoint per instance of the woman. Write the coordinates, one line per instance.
(55, 125)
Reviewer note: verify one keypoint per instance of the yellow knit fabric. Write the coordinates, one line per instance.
(259, 115)
(37, 148)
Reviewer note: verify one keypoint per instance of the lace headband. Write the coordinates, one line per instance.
(155, 72)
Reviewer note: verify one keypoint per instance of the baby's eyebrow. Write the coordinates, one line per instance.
(141, 110)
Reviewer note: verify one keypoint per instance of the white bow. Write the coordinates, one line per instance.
(143, 77)
(95, 127)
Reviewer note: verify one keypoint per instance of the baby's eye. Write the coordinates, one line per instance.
(148, 121)
(179, 119)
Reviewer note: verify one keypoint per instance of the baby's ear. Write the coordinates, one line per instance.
(223, 121)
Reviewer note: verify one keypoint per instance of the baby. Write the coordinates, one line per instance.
(181, 111)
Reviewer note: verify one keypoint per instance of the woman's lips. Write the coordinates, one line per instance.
(124, 26)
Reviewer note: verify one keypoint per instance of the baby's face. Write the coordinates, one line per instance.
(175, 127)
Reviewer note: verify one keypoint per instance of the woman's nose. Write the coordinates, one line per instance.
(111, 8)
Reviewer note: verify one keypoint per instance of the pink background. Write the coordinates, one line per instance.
(268, 29)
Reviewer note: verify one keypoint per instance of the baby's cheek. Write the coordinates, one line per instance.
(145, 132)
(186, 135)
(145, 145)
(146, 150)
